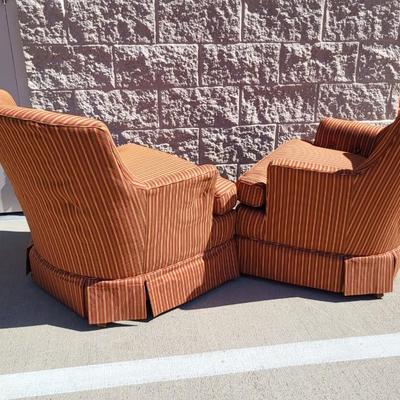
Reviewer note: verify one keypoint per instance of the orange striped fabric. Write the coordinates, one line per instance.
(350, 136)
(187, 280)
(307, 206)
(279, 262)
(336, 273)
(225, 196)
(371, 274)
(139, 158)
(179, 216)
(252, 186)
(99, 301)
(85, 212)
(116, 300)
(396, 255)
(66, 287)
(223, 229)
(250, 222)
(375, 205)
(6, 99)
(330, 202)
(103, 219)
(290, 265)
(125, 299)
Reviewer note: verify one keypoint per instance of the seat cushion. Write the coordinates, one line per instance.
(252, 185)
(250, 222)
(146, 164)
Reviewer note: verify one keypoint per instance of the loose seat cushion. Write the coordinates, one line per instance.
(146, 164)
(252, 185)
(250, 222)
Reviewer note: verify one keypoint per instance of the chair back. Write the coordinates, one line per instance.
(84, 209)
(375, 224)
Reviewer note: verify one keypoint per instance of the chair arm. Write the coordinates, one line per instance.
(195, 173)
(308, 205)
(179, 215)
(350, 136)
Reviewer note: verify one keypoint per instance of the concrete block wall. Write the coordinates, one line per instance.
(215, 81)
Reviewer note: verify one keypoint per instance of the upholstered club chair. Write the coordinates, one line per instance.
(325, 215)
(114, 226)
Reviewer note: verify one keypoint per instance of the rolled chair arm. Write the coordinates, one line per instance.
(350, 136)
(195, 174)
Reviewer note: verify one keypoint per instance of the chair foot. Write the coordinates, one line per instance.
(102, 325)
(379, 295)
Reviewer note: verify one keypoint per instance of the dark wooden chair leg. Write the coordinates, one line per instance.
(379, 295)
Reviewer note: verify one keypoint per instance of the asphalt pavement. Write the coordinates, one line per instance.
(37, 333)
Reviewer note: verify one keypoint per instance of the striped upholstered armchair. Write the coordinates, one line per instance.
(327, 214)
(113, 226)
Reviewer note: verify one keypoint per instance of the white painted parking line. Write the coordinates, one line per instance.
(13, 223)
(137, 372)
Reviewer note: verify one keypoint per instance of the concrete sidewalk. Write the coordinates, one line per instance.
(38, 333)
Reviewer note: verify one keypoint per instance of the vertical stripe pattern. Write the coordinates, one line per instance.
(179, 216)
(375, 207)
(290, 265)
(253, 185)
(225, 197)
(116, 300)
(148, 164)
(396, 255)
(85, 215)
(372, 274)
(66, 287)
(307, 206)
(222, 230)
(350, 136)
(105, 220)
(332, 217)
(187, 280)
(250, 222)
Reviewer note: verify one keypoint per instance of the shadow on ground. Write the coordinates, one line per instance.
(248, 289)
(25, 304)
